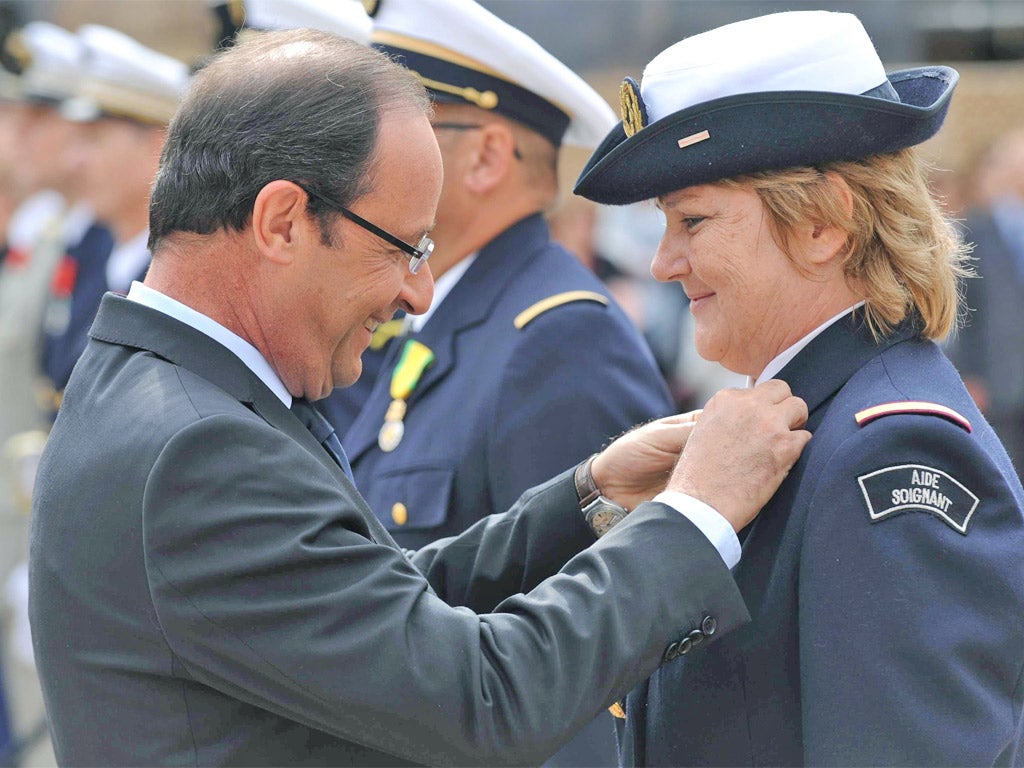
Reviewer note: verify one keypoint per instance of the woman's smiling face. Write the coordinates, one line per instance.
(746, 295)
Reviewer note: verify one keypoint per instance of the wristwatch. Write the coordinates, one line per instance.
(600, 512)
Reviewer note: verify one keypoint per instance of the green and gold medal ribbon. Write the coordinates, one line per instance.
(413, 361)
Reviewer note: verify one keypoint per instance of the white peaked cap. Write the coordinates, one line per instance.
(463, 52)
(345, 18)
(54, 61)
(123, 78)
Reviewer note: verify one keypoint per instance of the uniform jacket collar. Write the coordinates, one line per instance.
(821, 369)
(469, 303)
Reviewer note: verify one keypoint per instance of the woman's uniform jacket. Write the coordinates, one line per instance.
(885, 581)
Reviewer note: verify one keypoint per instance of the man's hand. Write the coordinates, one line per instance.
(741, 449)
(637, 466)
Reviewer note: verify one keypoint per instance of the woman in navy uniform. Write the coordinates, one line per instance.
(884, 577)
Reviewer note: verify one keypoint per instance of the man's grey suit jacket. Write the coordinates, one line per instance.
(207, 587)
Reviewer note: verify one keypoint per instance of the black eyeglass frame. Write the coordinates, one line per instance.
(418, 254)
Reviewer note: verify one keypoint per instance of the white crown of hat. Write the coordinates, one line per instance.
(122, 76)
(345, 18)
(55, 60)
(483, 40)
(790, 51)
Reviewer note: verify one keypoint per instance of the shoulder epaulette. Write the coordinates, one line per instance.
(911, 406)
(542, 306)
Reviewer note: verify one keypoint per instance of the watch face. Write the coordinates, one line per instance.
(603, 514)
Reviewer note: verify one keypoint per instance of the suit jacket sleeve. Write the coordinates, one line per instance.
(268, 586)
(887, 678)
(511, 552)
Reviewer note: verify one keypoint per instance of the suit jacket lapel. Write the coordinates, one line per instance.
(125, 322)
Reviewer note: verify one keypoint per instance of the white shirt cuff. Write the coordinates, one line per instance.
(718, 530)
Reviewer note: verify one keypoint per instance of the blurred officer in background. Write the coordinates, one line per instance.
(125, 98)
(520, 334)
(989, 349)
(521, 338)
(47, 60)
(37, 233)
(884, 577)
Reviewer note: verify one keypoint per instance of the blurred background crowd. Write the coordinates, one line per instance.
(87, 89)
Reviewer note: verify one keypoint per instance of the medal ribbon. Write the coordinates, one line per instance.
(415, 359)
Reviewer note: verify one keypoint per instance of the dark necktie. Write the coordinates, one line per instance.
(322, 430)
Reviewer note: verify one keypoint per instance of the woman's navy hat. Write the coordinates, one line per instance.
(789, 89)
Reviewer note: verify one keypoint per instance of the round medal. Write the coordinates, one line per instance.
(390, 435)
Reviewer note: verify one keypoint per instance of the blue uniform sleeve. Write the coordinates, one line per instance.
(582, 376)
(912, 600)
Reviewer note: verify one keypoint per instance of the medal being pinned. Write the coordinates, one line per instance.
(415, 358)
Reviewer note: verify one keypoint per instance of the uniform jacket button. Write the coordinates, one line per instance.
(708, 626)
(696, 637)
(685, 645)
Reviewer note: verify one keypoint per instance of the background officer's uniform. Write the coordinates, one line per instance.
(527, 344)
(578, 374)
(77, 285)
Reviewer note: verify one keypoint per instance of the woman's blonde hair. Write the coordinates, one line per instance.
(901, 251)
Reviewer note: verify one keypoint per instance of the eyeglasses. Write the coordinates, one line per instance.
(418, 254)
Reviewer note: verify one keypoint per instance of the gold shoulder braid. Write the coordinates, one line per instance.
(536, 310)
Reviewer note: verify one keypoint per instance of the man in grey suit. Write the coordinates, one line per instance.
(207, 585)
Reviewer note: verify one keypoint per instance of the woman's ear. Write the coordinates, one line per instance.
(827, 241)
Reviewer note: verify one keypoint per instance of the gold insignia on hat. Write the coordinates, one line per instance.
(15, 48)
(236, 12)
(634, 115)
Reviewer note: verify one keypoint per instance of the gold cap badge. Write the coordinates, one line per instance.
(634, 114)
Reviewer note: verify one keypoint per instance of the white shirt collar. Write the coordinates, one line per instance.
(127, 261)
(442, 287)
(783, 359)
(248, 354)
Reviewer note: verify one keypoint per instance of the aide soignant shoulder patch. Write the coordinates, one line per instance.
(917, 488)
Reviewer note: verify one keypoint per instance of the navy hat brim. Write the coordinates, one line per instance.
(770, 131)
